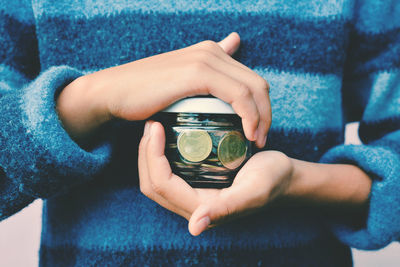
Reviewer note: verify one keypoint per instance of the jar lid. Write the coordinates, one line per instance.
(200, 105)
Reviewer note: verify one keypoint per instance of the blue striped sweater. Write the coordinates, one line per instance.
(328, 62)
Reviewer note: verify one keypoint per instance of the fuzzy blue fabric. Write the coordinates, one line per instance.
(328, 62)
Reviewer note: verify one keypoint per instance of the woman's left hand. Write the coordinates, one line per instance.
(265, 177)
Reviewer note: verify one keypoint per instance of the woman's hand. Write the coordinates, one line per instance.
(265, 177)
(139, 89)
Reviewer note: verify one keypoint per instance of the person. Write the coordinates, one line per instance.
(79, 78)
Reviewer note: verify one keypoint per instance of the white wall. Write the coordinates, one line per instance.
(20, 236)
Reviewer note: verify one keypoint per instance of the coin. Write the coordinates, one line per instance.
(232, 150)
(194, 145)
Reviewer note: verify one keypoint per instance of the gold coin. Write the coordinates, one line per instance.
(232, 150)
(194, 145)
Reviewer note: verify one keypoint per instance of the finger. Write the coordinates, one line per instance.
(144, 179)
(264, 106)
(223, 49)
(257, 85)
(200, 220)
(235, 93)
(226, 64)
(142, 166)
(166, 184)
(231, 43)
(219, 211)
(242, 198)
(229, 46)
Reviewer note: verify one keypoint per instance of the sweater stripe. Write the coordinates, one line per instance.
(385, 92)
(294, 109)
(377, 129)
(372, 16)
(18, 9)
(369, 53)
(363, 13)
(306, 144)
(137, 221)
(314, 46)
(286, 39)
(106, 8)
(330, 254)
(19, 48)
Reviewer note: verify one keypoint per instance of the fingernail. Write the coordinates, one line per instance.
(203, 223)
(146, 128)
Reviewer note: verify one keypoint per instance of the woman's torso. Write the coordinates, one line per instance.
(298, 47)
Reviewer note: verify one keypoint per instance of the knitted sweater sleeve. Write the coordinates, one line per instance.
(371, 94)
(38, 159)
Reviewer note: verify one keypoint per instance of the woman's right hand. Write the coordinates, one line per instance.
(139, 89)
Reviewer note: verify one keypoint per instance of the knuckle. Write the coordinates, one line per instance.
(266, 117)
(263, 84)
(209, 45)
(243, 91)
(282, 160)
(196, 67)
(244, 94)
(202, 56)
(267, 87)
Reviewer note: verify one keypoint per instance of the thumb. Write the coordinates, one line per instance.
(213, 212)
(231, 43)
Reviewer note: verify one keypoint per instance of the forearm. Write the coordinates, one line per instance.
(328, 184)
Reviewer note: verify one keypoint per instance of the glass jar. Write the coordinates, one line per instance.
(205, 143)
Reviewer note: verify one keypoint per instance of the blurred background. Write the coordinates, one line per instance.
(20, 235)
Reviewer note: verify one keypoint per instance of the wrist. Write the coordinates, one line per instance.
(81, 108)
(300, 187)
(328, 184)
